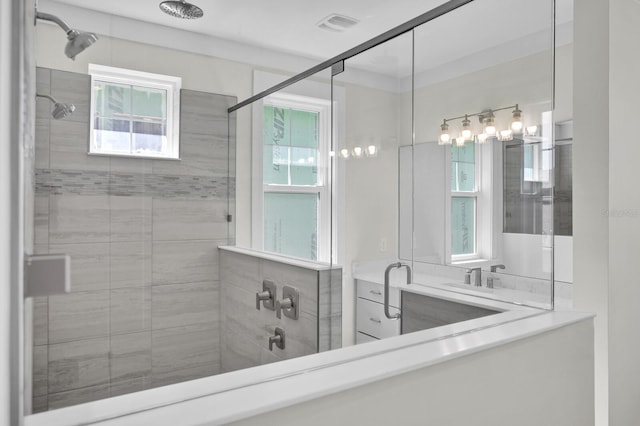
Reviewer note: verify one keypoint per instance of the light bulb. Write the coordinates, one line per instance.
(344, 153)
(466, 129)
(482, 137)
(506, 135)
(460, 141)
(357, 151)
(532, 130)
(490, 125)
(372, 150)
(332, 154)
(516, 124)
(445, 137)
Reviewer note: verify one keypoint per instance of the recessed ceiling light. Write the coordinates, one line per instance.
(337, 23)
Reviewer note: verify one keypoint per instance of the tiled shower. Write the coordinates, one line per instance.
(142, 234)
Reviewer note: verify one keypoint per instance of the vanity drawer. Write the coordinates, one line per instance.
(370, 319)
(375, 292)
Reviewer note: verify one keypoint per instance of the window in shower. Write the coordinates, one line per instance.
(134, 113)
(296, 205)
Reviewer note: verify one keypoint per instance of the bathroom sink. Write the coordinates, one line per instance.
(470, 288)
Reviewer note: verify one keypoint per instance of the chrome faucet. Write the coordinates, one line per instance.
(478, 278)
(491, 279)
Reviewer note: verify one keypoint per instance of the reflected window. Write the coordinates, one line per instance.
(295, 154)
(464, 201)
(134, 113)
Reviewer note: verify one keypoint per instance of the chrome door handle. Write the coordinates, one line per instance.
(377, 321)
(387, 271)
(377, 293)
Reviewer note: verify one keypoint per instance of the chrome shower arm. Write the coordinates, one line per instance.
(49, 17)
(48, 97)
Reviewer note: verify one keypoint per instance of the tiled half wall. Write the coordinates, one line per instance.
(142, 234)
(245, 330)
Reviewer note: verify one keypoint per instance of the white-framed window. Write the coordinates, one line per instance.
(470, 224)
(295, 177)
(134, 113)
(464, 202)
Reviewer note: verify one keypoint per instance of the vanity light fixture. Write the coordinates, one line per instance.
(344, 153)
(372, 151)
(489, 130)
(358, 152)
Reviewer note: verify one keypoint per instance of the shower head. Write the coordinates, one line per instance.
(60, 110)
(78, 41)
(181, 9)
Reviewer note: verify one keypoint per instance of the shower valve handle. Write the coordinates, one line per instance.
(262, 295)
(283, 304)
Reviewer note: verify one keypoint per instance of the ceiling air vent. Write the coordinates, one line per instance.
(337, 23)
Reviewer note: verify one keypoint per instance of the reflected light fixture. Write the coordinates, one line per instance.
(372, 150)
(77, 41)
(466, 129)
(358, 151)
(506, 135)
(516, 123)
(344, 153)
(531, 130)
(445, 137)
(489, 129)
(489, 123)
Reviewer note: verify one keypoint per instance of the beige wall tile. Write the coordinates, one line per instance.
(189, 219)
(180, 348)
(130, 264)
(130, 310)
(78, 396)
(77, 365)
(78, 316)
(130, 218)
(176, 305)
(185, 261)
(78, 219)
(89, 265)
(40, 370)
(40, 321)
(69, 147)
(130, 356)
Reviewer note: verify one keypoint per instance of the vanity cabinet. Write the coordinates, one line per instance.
(371, 323)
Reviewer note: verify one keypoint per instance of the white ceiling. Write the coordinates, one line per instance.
(290, 25)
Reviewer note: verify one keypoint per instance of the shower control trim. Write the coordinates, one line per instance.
(277, 339)
(266, 296)
(289, 303)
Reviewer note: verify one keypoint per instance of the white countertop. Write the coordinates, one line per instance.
(223, 399)
(303, 263)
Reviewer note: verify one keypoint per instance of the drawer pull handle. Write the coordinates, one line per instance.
(377, 293)
(377, 321)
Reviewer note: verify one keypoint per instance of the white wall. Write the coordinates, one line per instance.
(545, 380)
(624, 213)
(591, 172)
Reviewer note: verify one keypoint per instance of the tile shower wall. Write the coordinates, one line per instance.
(142, 234)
